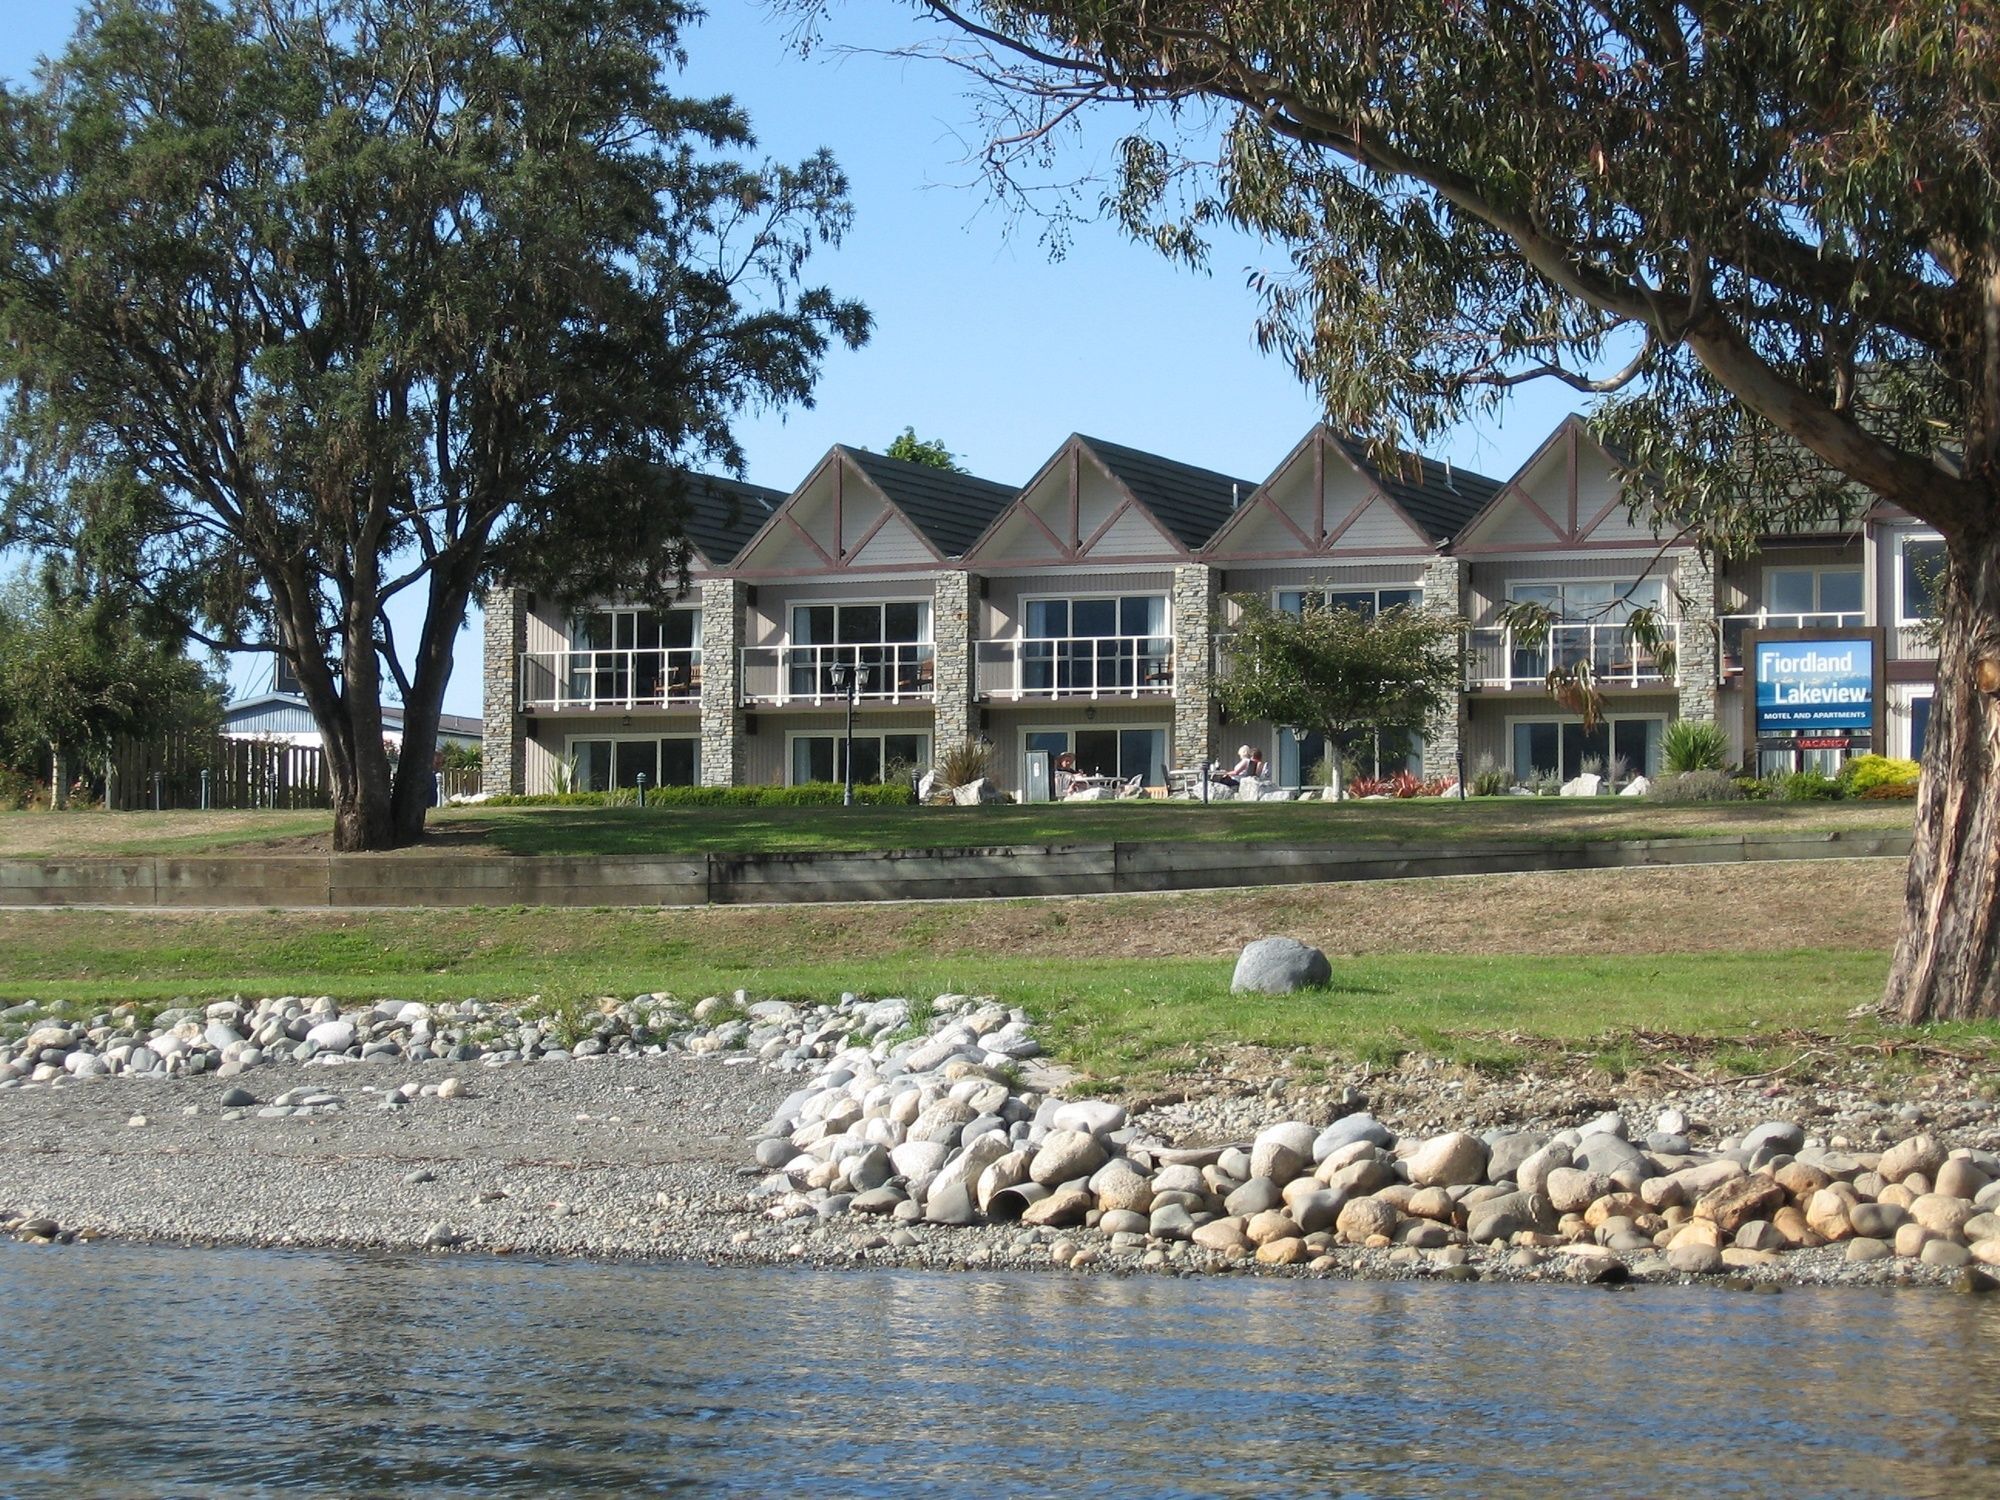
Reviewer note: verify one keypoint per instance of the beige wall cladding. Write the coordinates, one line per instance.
(722, 611)
(1739, 584)
(502, 756)
(1194, 603)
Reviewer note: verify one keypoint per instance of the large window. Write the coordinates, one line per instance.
(1591, 601)
(602, 762)
(877, 757)
(1119, 751)
(634, 654)
(1383, 753)
(1542, 746)
(888, 641)
(1365, 602)
(1588, 619)
(1812, 591)
(1096, 644)
(1919, 577)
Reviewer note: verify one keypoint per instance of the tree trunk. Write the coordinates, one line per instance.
(56, 797)
(1944, 963)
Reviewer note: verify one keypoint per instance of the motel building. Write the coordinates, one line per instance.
(1089, 611)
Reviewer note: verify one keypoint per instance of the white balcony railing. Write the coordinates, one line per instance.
(1081, 667)
(892, 672)
(1496, 656)
(661, 678)
(1735, 627)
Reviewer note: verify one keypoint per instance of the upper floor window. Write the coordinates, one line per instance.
(1812, 591)
(635, 630)
(1591, 601)
(896, 622)
(1920, 566)
(1364, 602)
(1127, 616)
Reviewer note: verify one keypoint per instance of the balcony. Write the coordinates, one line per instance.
(1497, 657)
(802, 676)
(1735, 627)
(1079, 668)
(584, 680)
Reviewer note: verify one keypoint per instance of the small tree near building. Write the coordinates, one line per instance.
(1346, 674)
(912, 449)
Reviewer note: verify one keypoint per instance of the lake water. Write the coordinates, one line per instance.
(143, 1371)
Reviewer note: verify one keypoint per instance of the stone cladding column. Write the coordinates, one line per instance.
(723, 601)
(1444, 596)
(954, 607)
(1194, 665)
(503, 756)
(1697, 665)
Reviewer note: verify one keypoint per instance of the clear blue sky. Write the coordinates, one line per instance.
(981, 339)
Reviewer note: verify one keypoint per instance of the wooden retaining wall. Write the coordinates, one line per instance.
(300, 882)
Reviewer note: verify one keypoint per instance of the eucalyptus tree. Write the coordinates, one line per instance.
(308, 306)
(1763, 234)
(1339, 671)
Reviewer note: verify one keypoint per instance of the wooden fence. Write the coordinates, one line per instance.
(185, 773)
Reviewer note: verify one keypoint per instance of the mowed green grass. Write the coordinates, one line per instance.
(674, 830)
(1118, 1019)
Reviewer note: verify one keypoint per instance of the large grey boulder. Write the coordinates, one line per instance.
(1279, 966)
(1345, 1132)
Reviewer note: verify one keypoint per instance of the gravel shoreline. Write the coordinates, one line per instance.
(647, 1154)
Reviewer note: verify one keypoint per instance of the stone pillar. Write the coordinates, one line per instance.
(954, 608)
(503, 756)
(1193, 605)
(1444, 597)
(723, 601)
(1697, 656)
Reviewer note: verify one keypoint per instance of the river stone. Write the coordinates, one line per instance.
(1509, 1214)
(1091, 1116)
(1773, 1138)
(1453, 1160)
(1279, 966)
(966, 1167)
(1605, 1153)
(241, 1098)
(919, 1160)
(1982, 1226)
(1348, 1131)
(1222, 1235)
(1179, 1179)
(1571, 1191)
(1066, 1155)
(1272, 1224)
(1920, 1153)
(1944, 1253)
(1735, 1203)
(1318, 1212)
(1282, 1151)
(772, 1152)
(1863, 1248)
(1119, 1184)
(1062, 1208)
(1877, 1221)
(1282, 1252)
(1938, 1213)
(1254, 1197)
(1957, 1178)
(1690, 1184)
(951, 1203)
(1506, 1154)
(1696, 1260)
(1170, 1221)
(1826, 1215)
(943, 1123)
(332, 1036)
(879, 1200)
(1363, 1217)
(1532, 1175)
(1009, 1171)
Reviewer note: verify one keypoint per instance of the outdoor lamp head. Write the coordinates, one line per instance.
(840, 673)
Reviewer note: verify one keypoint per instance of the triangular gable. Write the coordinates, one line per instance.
(1318, 503)
(839, 519)
(1566, 495)
(1075, 510)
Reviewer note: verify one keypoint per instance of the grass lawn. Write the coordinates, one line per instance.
(1718, 966)
(630, 830)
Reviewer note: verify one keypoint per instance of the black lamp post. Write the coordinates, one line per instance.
(848, 678)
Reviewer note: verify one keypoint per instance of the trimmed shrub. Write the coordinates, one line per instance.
(1692, 745)
(1890, 791)
(811, 794)
(1695, 786)
(1865, 772)
(1754, 788)
(1806, 786)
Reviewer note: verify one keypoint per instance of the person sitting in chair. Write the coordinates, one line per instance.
(1248, 763)
(1064, 774)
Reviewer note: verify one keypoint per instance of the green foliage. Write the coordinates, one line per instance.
(912, 449)
(1343, 673)
(79, 671)
(1695, 786)
(965, 763)
(1489, 779)
(807, 794)
(1863, 773)
(1806, 786)
(460, 758)
(306, 304)
(1693, 745)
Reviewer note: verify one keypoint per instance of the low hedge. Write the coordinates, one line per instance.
(810, 794)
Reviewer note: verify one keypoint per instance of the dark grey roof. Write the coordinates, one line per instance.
(723, 514)
(951, 510)
(1439, 497)
(1191, 503)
